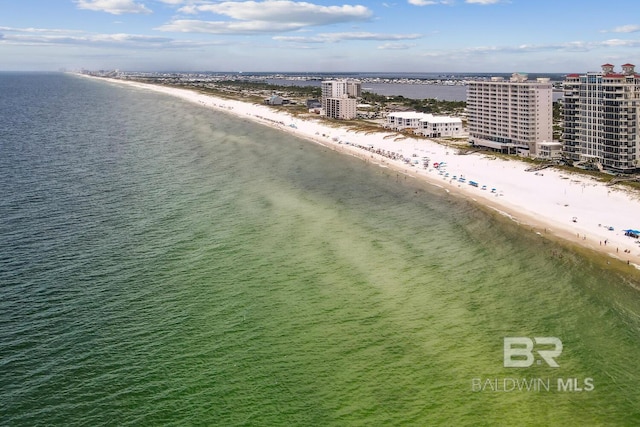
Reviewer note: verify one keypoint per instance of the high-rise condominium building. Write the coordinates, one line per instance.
(339, 98)
(510, 115)
(601, 118)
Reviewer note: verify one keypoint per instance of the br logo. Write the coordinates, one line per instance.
(519, 351)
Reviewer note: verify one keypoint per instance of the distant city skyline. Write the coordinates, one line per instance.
(318, 36)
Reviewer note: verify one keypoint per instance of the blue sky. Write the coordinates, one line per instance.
(319, 35)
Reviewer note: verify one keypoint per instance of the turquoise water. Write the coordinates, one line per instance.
(167, 264)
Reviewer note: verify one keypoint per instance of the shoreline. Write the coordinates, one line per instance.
(570, 207)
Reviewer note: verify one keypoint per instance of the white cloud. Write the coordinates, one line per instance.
(285, 11)
(626, 29)
(621, 43)
(121, 40)
(226, 27)
(189, 10)
(38, 30)
(368, 36)
(128, 38)
(300, 39)
(423, 2)
(575, 46)
(482, 1)
(429, 2)
(43, 37)
(115, 7)
(337, 37)
(271, 16)
(396, 46)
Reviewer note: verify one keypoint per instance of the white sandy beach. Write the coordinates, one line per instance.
(546, 201)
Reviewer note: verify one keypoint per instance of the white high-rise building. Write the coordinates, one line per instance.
(510, 115)
(341, 108)
(601, 111)
(339, 98)
(333, 88)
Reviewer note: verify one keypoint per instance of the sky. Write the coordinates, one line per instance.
(415, 36)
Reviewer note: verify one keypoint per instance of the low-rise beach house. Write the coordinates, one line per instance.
(424, 124)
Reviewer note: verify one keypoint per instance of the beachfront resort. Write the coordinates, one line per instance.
(514, 116)
(585, 209)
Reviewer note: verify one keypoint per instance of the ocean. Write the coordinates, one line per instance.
(162, 263)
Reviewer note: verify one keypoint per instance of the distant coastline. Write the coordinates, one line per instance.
(442, 86)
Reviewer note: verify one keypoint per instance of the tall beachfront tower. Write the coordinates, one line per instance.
(510, 115)
(601, 112)
(339, 98)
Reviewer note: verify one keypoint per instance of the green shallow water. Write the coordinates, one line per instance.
(166, 264)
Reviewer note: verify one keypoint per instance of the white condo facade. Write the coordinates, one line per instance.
(510, 115)
(339, 98)
(601, 112)
(425, 124)
(341, 108)
(551, 150)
